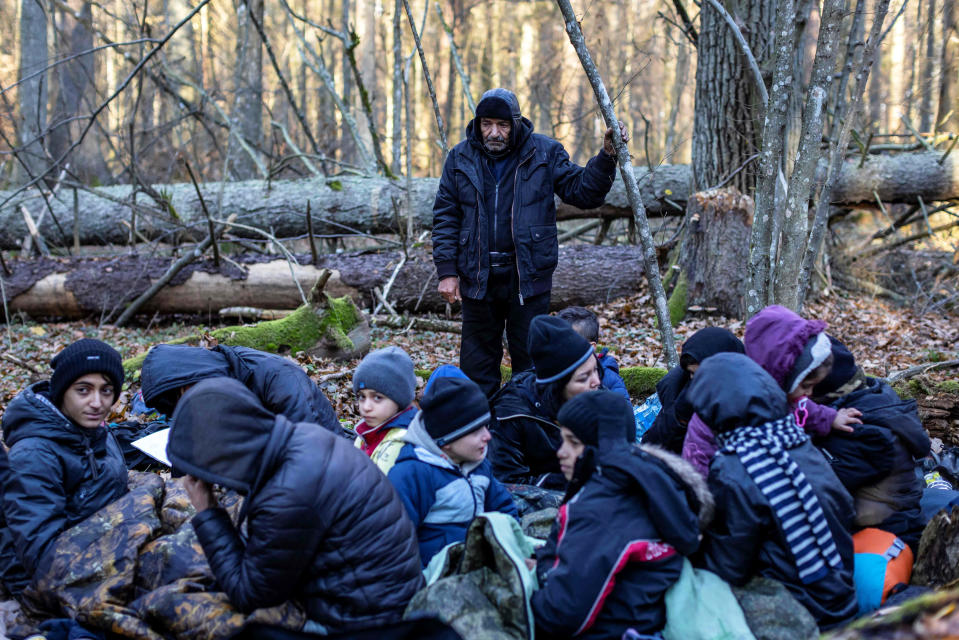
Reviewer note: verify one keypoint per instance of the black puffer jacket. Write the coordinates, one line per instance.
(280, 385)
(324, 525)
(746, 538)
(461, 242)
(876, 462)
(59, 474)
(618, 545)
(525, 437)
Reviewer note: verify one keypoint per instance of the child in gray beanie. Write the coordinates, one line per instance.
(385, 385)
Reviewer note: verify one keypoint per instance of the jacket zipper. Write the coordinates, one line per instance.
(512, 225)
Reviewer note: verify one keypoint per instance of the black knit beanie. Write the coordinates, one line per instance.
(555, 348)
(587, 414)
(843, 369)
(453, 408)
(80, 358)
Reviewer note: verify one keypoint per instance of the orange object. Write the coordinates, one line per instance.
(896, 552)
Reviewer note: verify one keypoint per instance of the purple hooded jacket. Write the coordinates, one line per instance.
(775, 338)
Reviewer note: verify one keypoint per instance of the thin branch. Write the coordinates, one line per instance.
(919, 369)
(689, 29)
(283, 83)
(429, 81)
(633, 194)
(123, 85)
(457, 61)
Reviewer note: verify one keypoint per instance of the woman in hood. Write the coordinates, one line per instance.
(621, 534)
(669, 429)
(525, 433)
(64, 463)
(781, 513)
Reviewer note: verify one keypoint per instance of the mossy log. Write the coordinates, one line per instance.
(937, 563)
(640, 381)
(326, 327)
(931, 616)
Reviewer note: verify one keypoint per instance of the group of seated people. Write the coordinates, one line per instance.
(767, 456)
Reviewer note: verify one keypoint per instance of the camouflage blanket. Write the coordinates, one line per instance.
(136, 569)
(481, 587)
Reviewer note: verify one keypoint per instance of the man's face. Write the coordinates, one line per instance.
(495, 133)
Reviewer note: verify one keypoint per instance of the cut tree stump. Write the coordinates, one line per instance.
(712, 262)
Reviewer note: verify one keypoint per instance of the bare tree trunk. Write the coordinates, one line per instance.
(76, 92)
(728, 110)
(397, 87)
(347, 143)
(680, 78)
(32, 92)
(948, 113)
(927, 113)
(770, 160)
(247, 112)
(796, 222)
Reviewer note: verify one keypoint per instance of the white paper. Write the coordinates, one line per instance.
(154, 445)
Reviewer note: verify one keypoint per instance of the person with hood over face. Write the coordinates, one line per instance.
(442, 474)
(525, 433)
(630, 515)
(324, 527)
(282, 387)
(63, 463)
(494, 228)
(669, 429)
(781, 513)
(876, 462)
(796, 353)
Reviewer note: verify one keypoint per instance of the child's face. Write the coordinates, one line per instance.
(88, 400)
(470, 448)
(569, 452)
(585, 378)
(375, 408)
(805, 387)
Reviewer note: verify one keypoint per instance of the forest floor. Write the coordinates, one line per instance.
(884, 339)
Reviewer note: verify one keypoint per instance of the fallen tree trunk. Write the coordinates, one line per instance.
(347, 205)
(76, 288)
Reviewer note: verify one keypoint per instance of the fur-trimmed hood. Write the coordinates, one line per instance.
(693, 480)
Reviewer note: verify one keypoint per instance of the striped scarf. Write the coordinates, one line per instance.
(763, 450)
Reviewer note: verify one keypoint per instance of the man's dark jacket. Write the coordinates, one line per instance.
(57, 475)
(525, 436)
(324, 526)
(279, 384)
(876, 462)
(461, 222)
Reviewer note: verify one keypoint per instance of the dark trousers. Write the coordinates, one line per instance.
(481, 350)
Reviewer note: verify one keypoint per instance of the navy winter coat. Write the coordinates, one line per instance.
(618, 545)
(525, 436)
(58, 474)
(746, 538)
(876, 462)
(324, 526)
(610, 375)
(461, 242)
(280, 384)
(441, 497)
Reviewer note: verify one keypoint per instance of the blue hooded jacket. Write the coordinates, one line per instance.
(440, 497)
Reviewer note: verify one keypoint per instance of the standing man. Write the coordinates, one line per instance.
(494, 228)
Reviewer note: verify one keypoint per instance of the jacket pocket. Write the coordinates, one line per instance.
(463, 249)
(537, 185)
(544, 248)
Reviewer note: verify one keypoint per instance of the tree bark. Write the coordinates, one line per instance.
(948, 115)
(586, 275)
(356, 204)
(246, 117)
(32, 92)
(927, 123)
(727, 118)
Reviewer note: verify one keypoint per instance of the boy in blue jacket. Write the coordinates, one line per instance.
(441, 474)
(583, 321)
